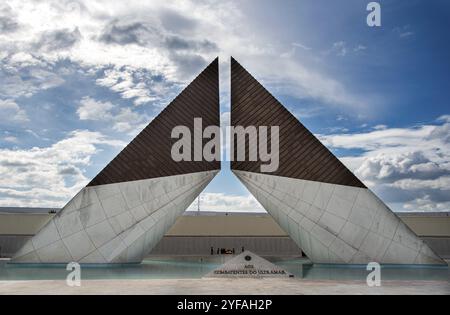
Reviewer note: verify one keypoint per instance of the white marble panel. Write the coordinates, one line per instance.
(332, 223)
(362, 216)
(92, 215)
(88, 197)
(54, 253)
(396, 252)
(106, 191)
(353, 234)
(68, 224)
(48, 235)
(375, 246)
(310, 192)
(342, 250)
(114, 205)
(323, 196)
(79, 245)
(385, 224)
(322, 235)
(339, 206)
(101, 233)
(138, 213)
(93, 258)
(406, 237)
(347, 193)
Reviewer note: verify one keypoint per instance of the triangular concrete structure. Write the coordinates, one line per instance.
(325, 209)
(248, 265)
(129, 206)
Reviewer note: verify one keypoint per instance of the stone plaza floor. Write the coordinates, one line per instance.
(224, 287)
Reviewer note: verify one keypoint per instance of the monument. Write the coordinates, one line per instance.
(122, 214)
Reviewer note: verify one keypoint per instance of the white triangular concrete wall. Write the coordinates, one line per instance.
(116, 223)
(337, 224)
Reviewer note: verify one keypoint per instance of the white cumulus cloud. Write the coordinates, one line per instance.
(49, 176)
(407, 166)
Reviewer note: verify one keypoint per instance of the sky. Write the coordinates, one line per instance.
(79, 79)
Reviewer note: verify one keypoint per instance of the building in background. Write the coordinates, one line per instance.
(194, 235)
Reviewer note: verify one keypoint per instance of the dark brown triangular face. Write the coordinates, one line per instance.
(149, 154)
(301, 154)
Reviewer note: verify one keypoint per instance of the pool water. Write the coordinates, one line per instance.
(359, 272)
(196, 268)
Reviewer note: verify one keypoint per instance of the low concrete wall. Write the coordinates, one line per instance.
(10, 244)
(226, 225)
(194, 235)
(440, 245)
(17, 228)
(428, 225)
(22, 223)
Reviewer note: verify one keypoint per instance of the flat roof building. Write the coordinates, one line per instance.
(194, 233)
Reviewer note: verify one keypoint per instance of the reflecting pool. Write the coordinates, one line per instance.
(197, 267)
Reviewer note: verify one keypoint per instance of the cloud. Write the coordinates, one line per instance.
(58, 39)
(139, 85)
(173, 40)
(122, 119)
(296, 80)
(425, 204)
(22, 60)
(293, 50)
(359, 48)
(91, 109)
(128, 121)
(10, 111)
(175, 22)
(8, 22)
(146, 34)
(340, 49)
(218, 202)
(404, 32)
(380, 127)
(186, 53)
(125, 34)
(444, 118)
(11, 139)
(410, 166)
(299, 45)
(178, 43)
(49, 176)
(23, 74)
(441, 183)
(400, 166)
